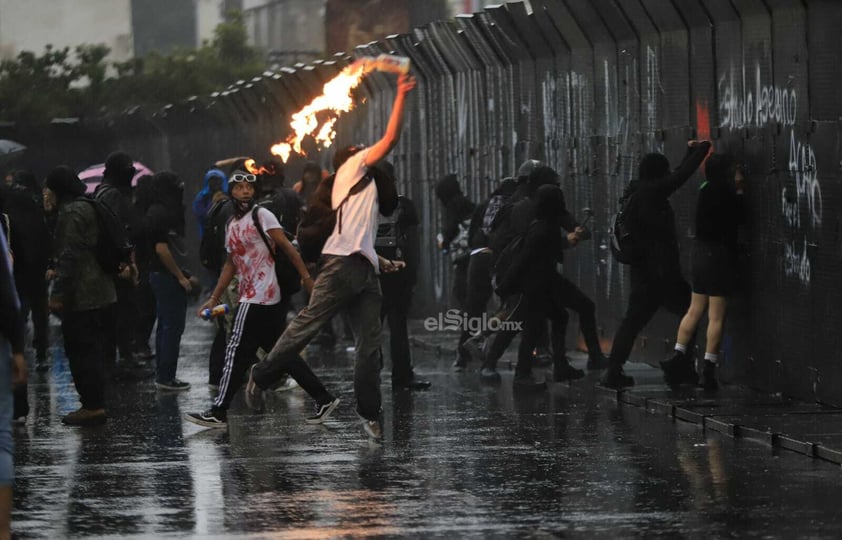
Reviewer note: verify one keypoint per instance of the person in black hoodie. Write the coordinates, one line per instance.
(481, 261)
(568, 295)
(115, 192)
(170, 281)
(453, 241)
(719, 212)
(656, 274)
(144, 197)
(545, 291)
(397, 240)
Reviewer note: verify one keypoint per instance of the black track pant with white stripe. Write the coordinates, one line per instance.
(255, 326)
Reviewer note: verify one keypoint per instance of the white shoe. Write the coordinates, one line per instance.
(288, 384)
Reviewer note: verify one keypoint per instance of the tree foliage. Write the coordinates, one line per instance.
(59, 83)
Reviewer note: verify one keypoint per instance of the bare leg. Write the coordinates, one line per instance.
(698, 304)
(716, 321)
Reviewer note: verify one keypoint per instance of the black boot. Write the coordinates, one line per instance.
(563, 371)
(679, 369)
(709, 382)
(615, 378)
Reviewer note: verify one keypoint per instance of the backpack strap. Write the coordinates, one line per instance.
(263, 236)
(360, 185)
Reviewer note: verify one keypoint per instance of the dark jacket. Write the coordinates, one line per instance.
(81, 284)
(30, 238)
(719, 212)
(120, 203)
(543, 242)
(457, 208)
(397, 238)
(653, 220)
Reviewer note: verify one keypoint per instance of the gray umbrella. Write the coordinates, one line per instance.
(10, 149)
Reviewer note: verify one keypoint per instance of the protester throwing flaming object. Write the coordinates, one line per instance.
(335, 100)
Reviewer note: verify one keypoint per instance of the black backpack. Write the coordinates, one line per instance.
(289, 280)
(624, 245)
(113, 248)
(212, 246)
(392, 240)
(319, 220)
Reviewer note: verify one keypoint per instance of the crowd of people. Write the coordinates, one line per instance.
(113, 266)
(513, 244)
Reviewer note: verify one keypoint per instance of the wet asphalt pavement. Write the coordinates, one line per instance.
(460, 460)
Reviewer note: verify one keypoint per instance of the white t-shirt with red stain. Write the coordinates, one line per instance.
(359, 213)
(253, 261)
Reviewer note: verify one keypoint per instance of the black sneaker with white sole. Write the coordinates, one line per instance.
(174, 385)
(208, 419)
(322, 412)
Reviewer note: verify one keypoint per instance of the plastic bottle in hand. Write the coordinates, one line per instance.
(216, 311)
(392, 63)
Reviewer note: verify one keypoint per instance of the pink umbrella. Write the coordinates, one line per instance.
(92, 176)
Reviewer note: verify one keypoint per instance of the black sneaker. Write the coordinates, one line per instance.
(322, 412)
(709, 382)
(566, 372)
(412, 384)
(542, 357)
(529, 381)
(208, 419)
(616, 379)
(679, 369)
(174, 385)
(597, 362)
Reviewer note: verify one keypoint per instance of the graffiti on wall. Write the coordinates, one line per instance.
(743, 104)
(749, 101)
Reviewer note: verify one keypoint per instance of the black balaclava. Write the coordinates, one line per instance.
(242, 206)
(119, 171)
(64, 182)
(168, 190)
(549, 203)
(447, 188)
(653, 167)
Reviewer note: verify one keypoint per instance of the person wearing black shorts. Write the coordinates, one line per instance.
(719, 212)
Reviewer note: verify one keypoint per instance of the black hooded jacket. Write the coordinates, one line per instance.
(652, 218)
(457, 208)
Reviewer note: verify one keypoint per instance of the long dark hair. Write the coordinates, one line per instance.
(720, 169)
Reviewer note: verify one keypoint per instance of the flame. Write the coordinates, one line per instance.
(252, 167)
(318, 118)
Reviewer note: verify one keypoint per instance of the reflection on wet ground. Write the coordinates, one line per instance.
(460, 460)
